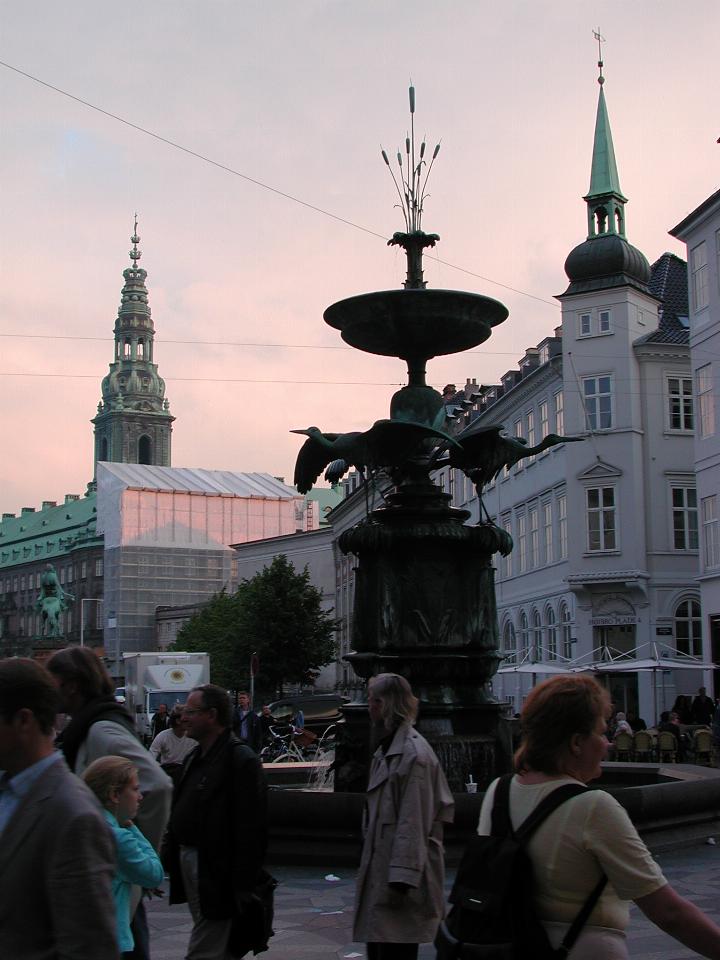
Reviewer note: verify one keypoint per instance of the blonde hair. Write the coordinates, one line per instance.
(108, 774)
(399, 703)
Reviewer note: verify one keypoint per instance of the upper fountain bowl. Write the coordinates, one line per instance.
(415, 324)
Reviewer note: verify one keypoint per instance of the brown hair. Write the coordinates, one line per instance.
(107, 774)
(25, 685)
(554, 711)
(84, 666)
(399, 703)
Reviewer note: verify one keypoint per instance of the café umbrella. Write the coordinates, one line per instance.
(659, 660)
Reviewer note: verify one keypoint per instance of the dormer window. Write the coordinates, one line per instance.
(544, 354)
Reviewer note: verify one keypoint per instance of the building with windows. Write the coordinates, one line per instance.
(700, 230)
(132, 425)
(605, 530)
(167, 535)
(66, 536)
(145, 535)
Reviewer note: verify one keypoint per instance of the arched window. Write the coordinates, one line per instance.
(566, 628)
(127, 349)
(144, 450)
(141, 349)
(618, 221)
(600, 220)
(509, 642)
(688, 628)
(551, 628)
(104, 449)
(536, 651)
(524, 636)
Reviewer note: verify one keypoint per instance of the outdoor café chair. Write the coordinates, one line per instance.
(667, 747)
(643, 746)
(623, 744)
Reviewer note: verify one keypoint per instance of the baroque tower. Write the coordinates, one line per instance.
(612, 397)
(133, 422)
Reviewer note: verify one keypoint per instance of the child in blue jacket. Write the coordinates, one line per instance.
(114, 781)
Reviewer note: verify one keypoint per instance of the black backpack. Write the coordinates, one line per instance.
(492, 914)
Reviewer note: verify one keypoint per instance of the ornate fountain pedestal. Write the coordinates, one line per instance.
(425, 608)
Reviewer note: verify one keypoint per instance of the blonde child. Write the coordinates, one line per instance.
(114, 781)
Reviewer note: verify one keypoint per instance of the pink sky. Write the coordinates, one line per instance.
(300, 95)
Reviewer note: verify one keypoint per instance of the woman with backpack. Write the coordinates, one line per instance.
(589, 835)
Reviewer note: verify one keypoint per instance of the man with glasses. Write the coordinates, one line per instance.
(217, 835)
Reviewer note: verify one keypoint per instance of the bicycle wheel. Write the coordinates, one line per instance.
(283, 758)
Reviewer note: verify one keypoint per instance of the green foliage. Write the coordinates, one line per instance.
(278, 615)
(214, 631)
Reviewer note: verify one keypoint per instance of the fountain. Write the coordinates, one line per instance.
(424, 589)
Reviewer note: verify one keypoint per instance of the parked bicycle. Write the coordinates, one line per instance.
(288, 744)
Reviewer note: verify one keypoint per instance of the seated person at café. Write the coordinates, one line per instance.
(636, 722)
(670, 722)
(621, 724)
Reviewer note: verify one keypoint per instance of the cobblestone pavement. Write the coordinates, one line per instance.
(314, 914)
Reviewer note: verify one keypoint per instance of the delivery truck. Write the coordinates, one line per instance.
(155, 678)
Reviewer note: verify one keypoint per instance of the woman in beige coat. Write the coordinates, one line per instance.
(399, 898)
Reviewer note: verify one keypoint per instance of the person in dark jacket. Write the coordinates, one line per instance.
(703, 709)
(216, 839)
(246, 723)
(160, 721)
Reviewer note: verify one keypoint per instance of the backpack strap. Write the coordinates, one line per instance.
(526, 828)
(543, 810)
(581, 919)
(501, 823)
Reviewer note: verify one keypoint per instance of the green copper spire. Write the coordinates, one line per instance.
(133, 423)
(605, 200)
(603, 173)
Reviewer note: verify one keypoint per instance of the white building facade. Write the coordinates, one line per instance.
(700, 230)
(605, 530)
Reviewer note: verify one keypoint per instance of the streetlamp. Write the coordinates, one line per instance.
(83, 601)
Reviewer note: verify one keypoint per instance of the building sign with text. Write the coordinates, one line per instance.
(614, 620)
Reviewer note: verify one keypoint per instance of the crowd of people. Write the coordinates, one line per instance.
(90, 820)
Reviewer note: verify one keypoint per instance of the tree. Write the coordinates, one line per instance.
(214, 630)
(277, 614)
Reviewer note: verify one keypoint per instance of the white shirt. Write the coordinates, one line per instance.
(167, 747)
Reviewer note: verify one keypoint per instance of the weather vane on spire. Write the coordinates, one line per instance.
(135, 254)
(600, 41)
(414, 172)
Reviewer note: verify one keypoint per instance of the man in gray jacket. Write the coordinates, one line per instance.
(57, 856)
(101, 727)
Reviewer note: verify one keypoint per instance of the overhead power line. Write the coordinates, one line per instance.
(258, 183)
(276, 380)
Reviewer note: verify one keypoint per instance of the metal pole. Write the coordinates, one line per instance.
(82, 621)
(252, 683)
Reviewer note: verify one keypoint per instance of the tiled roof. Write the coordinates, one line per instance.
(668, 282)
(48, 532)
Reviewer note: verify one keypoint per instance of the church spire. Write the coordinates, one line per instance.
(605, 259)
(133, 422)
(605, 199)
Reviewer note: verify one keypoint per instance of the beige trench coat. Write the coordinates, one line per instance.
(408, 800)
